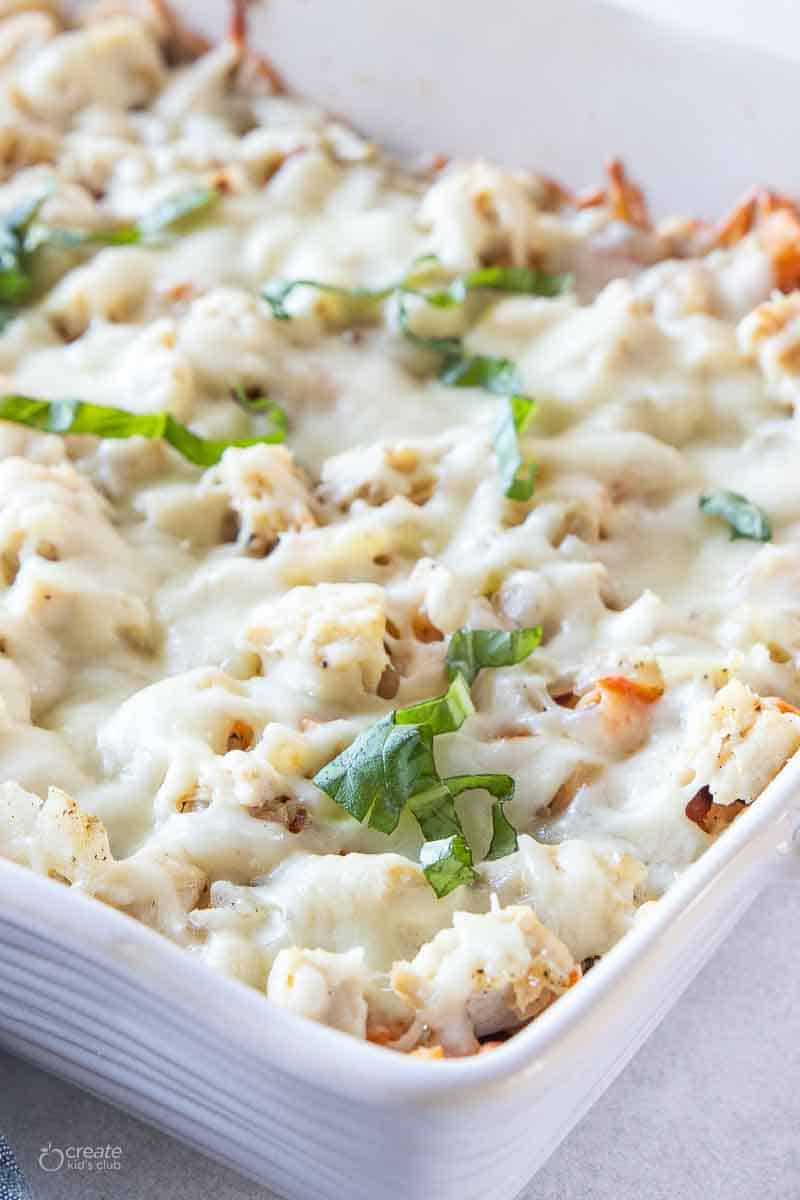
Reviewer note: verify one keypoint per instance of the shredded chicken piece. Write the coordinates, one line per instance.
(489, 972)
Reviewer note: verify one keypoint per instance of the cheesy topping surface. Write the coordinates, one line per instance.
(184, 649)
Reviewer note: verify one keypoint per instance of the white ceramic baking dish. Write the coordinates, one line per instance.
(91, 995)
(104, 1001)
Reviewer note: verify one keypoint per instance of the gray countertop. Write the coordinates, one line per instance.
(708, 1110)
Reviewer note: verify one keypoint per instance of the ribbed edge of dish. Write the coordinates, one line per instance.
(111, 951)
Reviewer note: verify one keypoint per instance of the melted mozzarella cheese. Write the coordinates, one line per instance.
(181, 650)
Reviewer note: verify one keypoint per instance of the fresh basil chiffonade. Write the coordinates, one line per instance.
(389, 768)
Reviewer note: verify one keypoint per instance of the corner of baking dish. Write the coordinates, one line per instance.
(762, 838)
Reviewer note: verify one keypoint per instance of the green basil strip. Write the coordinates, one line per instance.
(278, 292)
(499, 786)
(520, 280)
(374, 778)
(443, 714)
(72, 239)
(20, 238)
(447, 864)
(472, 649)
(178, 212)
(390, 766)
(450, 346)
(505, 279)
(746, 520)
(173, 215)
(497, 375)
(363, 299)
(528, 281)
(435, 812)
(16, 278)
(392, 761)
(76, 416)
(22, 215)
(261, 406)
(504, 835)
(500, 376)
(518, 477)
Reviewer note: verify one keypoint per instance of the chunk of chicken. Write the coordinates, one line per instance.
(266, 494)
(329, 988)
(377, 473)
(115, 63)
(771, 334)
(72, 846)
(740, 741)
(329, 639)
(491, 971)
(480, 213)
